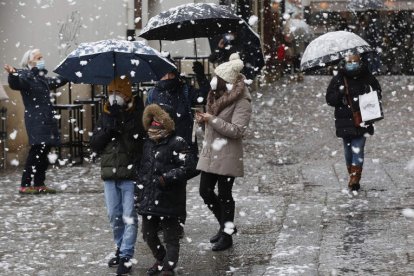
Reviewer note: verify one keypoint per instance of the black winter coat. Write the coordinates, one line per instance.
(39, 114)
(169, 159)
(358, 83)
(181, 97)
(119, 140)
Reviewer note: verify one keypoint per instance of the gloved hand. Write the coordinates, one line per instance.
(115, 109)
(198, 68)
(113, 127)
(159, 180)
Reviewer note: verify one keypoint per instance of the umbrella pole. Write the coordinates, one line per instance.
(160, 45)
(195, 48)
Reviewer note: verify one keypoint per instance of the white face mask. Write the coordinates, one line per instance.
(213, 83)
(116, 99)
(229, 37)
(229, 86)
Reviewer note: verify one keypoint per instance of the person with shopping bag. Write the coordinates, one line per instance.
(343, 92)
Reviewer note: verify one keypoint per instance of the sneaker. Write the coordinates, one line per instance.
(28, 190)
(115, 260)
(124, 266)
(45, 190)
(155, 268)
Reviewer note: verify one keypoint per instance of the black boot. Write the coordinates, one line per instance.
(155, 268)
(216, 237)
(115, 260)
(225, 242)
(124, 266)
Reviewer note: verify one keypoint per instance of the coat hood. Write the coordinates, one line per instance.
(163, 114)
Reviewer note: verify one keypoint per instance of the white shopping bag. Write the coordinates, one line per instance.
(370, 106)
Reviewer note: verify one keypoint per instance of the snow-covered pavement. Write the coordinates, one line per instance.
(293, 213)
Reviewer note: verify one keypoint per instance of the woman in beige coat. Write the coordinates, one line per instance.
(221, 159)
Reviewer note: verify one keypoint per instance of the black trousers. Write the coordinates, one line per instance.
(222, 204)
(36, 166)
(168, 254)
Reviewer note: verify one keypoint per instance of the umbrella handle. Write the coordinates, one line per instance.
(195, 48)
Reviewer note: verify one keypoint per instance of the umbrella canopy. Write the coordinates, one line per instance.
(364, 5)
(191, 21)
(248, 44)
(100, 62)
(297, 29)
(206, 20)
(332, 47)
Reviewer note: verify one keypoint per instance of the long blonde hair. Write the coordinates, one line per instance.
(28, 56)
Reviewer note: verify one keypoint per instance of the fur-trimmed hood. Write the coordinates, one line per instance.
(159, 113)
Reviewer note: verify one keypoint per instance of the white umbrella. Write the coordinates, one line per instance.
(298, 29)
(3, 94)
(332, 47)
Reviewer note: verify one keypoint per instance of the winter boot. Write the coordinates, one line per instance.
(167, 273)
(115, 260)
(349, 170)
(155, 268)
(124, 266)
(225, 241)
(355, 177)
(216, 237)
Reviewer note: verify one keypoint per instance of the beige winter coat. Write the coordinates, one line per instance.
(222, 151)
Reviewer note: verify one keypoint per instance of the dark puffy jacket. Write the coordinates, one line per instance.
(181, 97)
(358, 84)
(119, 139)
(169, 159)
(39, 114)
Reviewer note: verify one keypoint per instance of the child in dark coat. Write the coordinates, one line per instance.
(165, 165)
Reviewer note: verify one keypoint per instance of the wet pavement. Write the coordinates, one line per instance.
(293, 212)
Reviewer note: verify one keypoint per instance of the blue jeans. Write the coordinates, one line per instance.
(119, 199)
(354, 150)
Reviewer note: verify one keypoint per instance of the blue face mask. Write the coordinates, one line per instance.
(40, 64)
(352, 66)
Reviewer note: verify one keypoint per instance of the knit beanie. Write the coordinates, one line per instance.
(122, 86)
(230, 70)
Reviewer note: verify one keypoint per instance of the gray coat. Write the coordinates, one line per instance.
(222, 151)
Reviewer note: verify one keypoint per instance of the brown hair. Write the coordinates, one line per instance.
(221, 85)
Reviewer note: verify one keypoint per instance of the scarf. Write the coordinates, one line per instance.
(157, 133)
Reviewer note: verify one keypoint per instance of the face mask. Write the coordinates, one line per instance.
(40, 64)
(353, 66)
(213, 83)
(116, 99)
(229, 37)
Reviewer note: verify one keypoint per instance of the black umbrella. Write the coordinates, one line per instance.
(365, 5)
(205, 20)
(100, 62)
(248, 44)
(191, 21)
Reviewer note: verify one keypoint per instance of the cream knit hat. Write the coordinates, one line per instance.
(230, 70)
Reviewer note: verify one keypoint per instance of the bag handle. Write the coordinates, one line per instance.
(347, 94)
